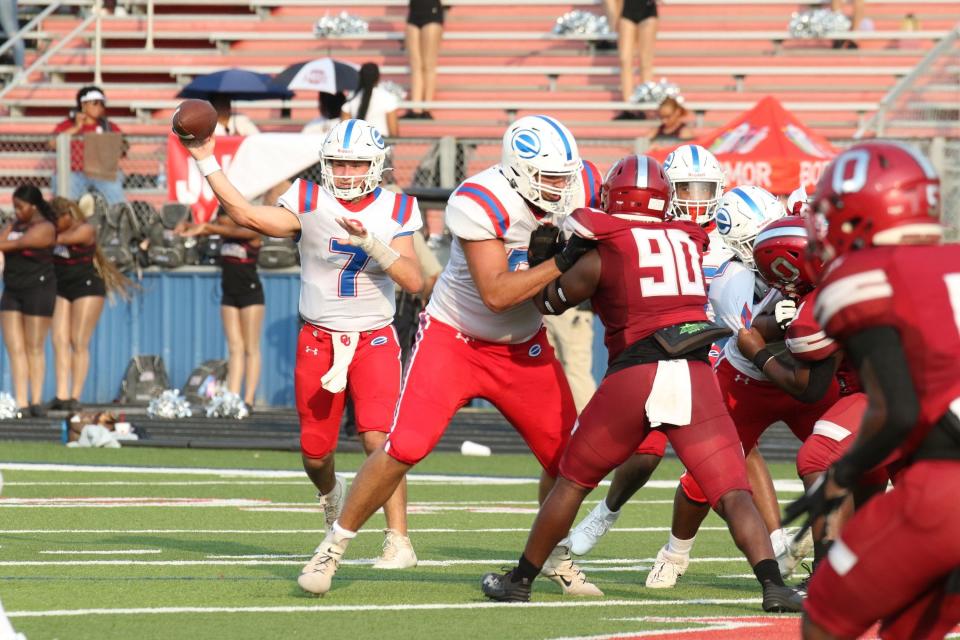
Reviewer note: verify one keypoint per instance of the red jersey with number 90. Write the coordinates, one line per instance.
(651, 274)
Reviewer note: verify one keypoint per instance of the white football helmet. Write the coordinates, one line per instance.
(537, 147)
(798, 204)
(356, 140)
(742, 213)
(697, 179)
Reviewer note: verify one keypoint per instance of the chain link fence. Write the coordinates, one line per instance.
(431, 166)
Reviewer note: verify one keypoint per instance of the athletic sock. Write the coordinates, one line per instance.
(342, 536)
(526, 569)
(605, 509)
(680, 546)
(768, 572)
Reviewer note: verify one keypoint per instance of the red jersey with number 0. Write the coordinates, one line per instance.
(651, 275)
(915, 290)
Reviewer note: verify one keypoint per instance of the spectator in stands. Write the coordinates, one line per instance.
(10, 24)
(84, 276)
(613, 9)
(373, 104)
(424, 33)
(228, 122)
(242, 304)
(674, 121)
(29, 293)
(637, 35)
(330, 106)
(571, 335)
(855, 20)
(89, 117)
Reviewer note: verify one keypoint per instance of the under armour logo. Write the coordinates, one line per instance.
(466, 339)
(345, 339)
(743, 379)
(312, 350)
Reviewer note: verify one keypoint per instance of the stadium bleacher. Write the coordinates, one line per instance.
(493, 66)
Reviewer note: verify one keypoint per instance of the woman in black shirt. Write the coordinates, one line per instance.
(29, 293)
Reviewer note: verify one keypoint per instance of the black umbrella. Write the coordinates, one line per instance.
(237, 84)
(324, 75)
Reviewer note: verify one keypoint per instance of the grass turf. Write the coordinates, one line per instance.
(216, 555)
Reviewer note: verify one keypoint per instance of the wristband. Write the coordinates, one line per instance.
(761, 358)
(208, 165)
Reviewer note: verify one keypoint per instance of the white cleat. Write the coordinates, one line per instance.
(560, 568)
(397, 552)
(318, 573)
(793, 551)
(587, 534)
(332, 502)
(667, 569)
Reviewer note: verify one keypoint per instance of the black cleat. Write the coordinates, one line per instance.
(502, 587)
(782, 599)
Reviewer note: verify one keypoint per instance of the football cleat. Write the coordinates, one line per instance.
(502, 587)
(560, 568)
(317, 574)
(397, 552)
(782, 599)
(794, 551)
(667, 569)
(587, 534)
(332, 502)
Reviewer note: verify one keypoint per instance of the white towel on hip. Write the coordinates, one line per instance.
(344, 346)
(670, 399)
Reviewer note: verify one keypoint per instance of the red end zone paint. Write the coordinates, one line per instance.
(715, 628)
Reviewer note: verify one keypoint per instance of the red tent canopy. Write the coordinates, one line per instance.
(766, 146)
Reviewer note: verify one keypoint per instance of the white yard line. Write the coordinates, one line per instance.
(323, 531)
(377, 608)
(268, 560)
(780, 485)
(100, 552)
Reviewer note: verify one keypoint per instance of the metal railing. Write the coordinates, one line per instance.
(20, 36)
(906, 89)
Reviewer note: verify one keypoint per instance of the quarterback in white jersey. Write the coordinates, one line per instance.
(355, 243)
(481, 335)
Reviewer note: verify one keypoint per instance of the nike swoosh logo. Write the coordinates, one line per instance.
(565, 582)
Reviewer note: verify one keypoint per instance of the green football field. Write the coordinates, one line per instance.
(160, 543)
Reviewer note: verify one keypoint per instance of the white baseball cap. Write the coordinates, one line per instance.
(93, 96)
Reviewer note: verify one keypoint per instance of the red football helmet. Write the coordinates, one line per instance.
(875, 193)
(637, 186)
(780, 253)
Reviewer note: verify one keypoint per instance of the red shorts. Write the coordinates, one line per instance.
(373, 382)
(615, 422)
(447, 369)
(832, 435)
(754, 405)
(893, 556)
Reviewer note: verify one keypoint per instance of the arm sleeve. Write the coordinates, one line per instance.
(881, 350)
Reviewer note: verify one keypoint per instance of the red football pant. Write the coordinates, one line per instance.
(755, 405)
(447, 369)
(832, 435)
(892, 559)
(614, 423)
(373, 382)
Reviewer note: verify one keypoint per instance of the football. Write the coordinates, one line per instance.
(194, 120)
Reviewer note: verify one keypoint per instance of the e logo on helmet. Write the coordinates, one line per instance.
(723, 221)
(377, 138)
(525, 143)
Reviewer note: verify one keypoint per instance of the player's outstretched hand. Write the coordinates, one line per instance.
(821, 499)
(575, 248)
(199, 149)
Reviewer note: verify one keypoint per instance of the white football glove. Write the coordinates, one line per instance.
(784, 313)
(374, 247)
